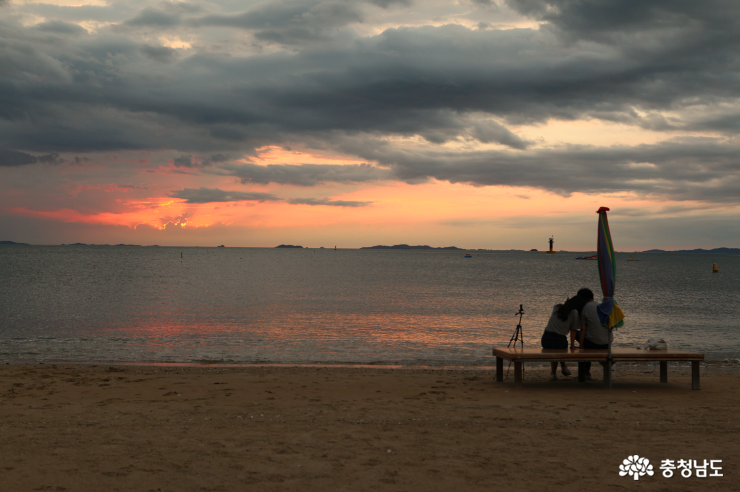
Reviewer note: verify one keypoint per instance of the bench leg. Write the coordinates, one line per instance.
(517, 373)
(664, 371)
(608, 374)
(499, 370)
(581, 373)
(695, 375)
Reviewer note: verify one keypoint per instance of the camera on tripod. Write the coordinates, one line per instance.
(518, 335)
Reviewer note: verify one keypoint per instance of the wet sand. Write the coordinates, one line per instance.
(127, 428)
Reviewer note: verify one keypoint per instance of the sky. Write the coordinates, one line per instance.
(475, 123)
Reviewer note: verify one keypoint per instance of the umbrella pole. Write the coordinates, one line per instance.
(608, 367)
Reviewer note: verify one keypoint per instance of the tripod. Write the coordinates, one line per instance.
(518, 335)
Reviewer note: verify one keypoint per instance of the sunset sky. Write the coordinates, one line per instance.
(476, 123)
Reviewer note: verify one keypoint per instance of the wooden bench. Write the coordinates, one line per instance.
(519, 355)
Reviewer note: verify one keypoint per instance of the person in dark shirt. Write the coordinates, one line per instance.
(564, 321)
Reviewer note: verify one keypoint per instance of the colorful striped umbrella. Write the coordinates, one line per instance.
(610, 315)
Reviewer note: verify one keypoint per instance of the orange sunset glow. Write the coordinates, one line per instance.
(475, 124)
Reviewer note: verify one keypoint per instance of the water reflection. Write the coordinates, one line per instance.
(250, 305)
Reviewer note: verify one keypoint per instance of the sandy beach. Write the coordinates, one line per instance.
(156, 428)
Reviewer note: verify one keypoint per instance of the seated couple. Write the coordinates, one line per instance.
(577, 312)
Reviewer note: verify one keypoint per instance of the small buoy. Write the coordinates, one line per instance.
(715, 269)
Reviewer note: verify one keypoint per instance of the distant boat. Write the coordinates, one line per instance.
(468, 255)
(592, 257)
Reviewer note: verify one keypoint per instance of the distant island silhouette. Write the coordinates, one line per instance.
(85, 244)
(406, 246)
(715, 251)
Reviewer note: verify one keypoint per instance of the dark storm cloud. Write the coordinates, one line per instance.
(328, 202)
(227, 133)
(183, 161)
(653, 65)
(113, 12)
(391, 3)
(190, 161)
(411, 81)
(10, 158)
(684, 169)
(211, 195)
(215, 195)
(289, 22)
(60, 27)
(159, 53)
(693, 169)
(153, 18)
(596, 18)
(306, 174)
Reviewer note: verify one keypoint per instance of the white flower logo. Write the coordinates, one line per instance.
(636, 467)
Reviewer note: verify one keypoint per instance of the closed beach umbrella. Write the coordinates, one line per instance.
(610, 315)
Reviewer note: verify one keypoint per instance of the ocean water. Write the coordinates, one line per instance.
(260, 305)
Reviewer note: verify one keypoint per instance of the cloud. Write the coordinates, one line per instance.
(441, 83)
(60, 27)
(51, 159)
(390, 3)
(328, 201)
(456, 92)
(112, 12)
(210, 195)
(150, 17)
(197, 162)
(159, 53)
(9, 158)
(593, 18)
(183, 161)
(289, 22)
(215, 195)
(306, 174)
(668, 211)
(683, 169)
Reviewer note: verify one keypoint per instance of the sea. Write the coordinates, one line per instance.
(127, 304)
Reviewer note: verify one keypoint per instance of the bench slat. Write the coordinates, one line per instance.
(519, 354)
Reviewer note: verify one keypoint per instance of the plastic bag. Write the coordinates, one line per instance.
(655, 344)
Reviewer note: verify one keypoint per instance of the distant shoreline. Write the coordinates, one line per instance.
(726, 251)
(714, 251)
(406, 246)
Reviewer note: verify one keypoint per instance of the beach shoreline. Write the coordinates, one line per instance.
(725, 365)
(162, 428)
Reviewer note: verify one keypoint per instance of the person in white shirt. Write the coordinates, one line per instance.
(592, 335)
